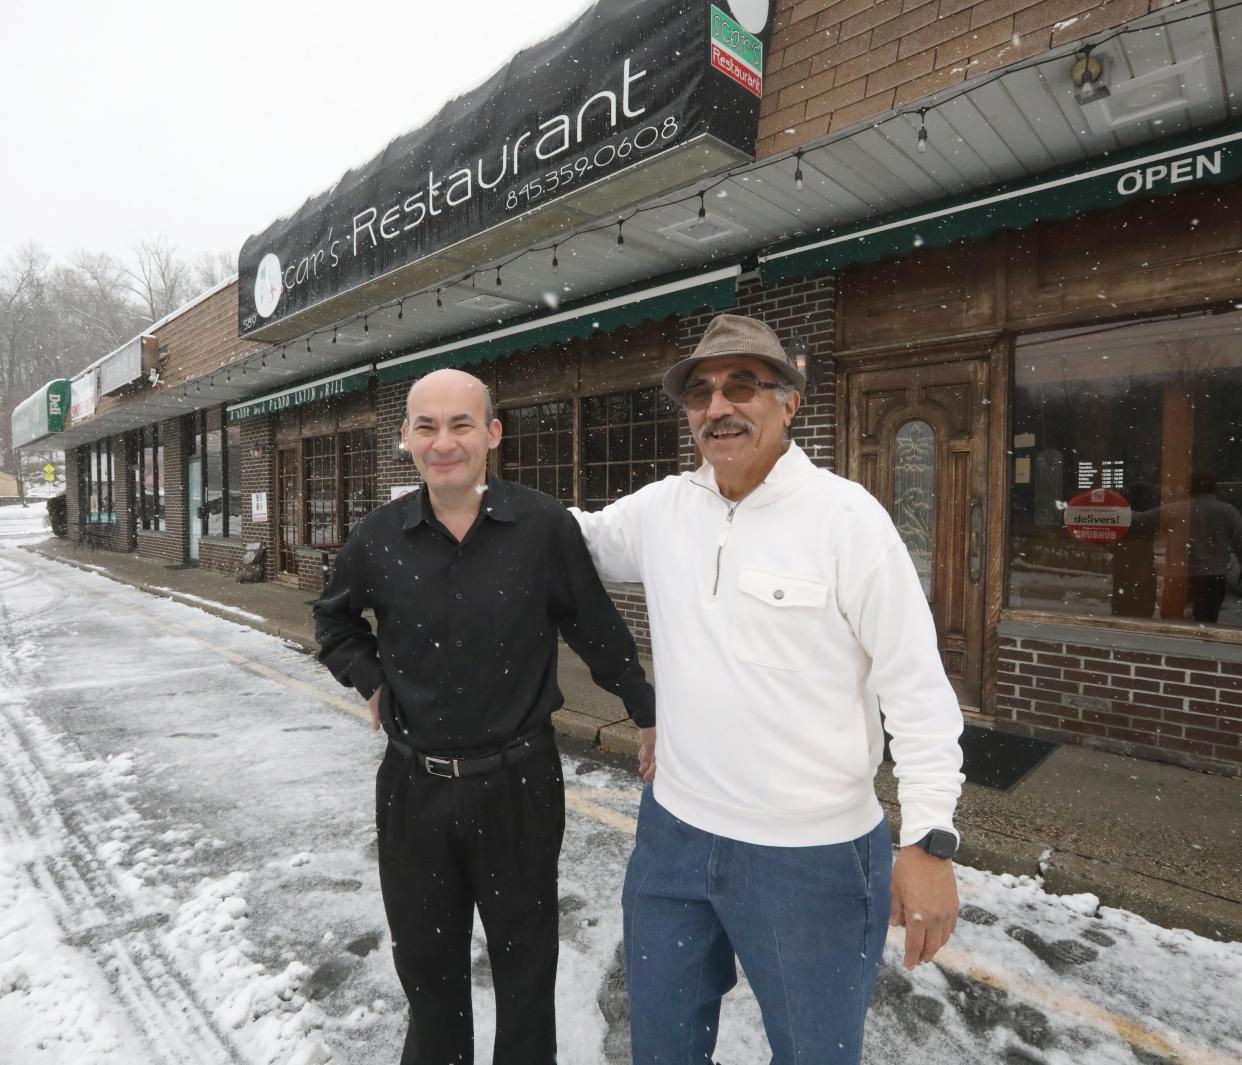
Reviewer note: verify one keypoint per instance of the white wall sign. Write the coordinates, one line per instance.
(258, 506)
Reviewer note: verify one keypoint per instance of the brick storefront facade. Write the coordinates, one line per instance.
(1152, 686)
(1173, 702)
(170, 544)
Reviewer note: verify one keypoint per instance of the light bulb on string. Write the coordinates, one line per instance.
(922, 141)
(798, 170)
(620, 235)
(401, 311)
(702, 207)
(439, 301)
(555, 262)
(334, 334)
(498, 277)
(366, 325)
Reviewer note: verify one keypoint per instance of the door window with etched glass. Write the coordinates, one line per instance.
(914, 495)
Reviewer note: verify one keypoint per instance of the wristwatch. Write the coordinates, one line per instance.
(939, 843)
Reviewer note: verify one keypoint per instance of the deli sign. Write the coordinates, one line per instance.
(624, 88)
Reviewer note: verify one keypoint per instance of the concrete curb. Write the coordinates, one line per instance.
(1160, 901)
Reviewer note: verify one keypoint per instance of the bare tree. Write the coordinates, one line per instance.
(93, 299)
(56, 320)
(23, 318)
(211, 268)
(160, 278)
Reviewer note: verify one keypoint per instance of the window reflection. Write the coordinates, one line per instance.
(1128, 471)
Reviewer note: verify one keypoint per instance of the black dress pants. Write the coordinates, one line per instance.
(445, 847)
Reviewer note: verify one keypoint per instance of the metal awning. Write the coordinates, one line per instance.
(713, 290)
(1204, 158)
(337, 384)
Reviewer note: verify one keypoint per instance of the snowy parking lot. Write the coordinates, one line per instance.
(187, 875)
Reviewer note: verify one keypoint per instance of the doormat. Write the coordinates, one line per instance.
(183, 565)
(996, 759)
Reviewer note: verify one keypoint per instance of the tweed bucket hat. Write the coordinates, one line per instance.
(735, 334)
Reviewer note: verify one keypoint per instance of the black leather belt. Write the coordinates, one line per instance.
(473, 765)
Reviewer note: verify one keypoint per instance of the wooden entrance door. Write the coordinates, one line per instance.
(917, 440)
(288, 524)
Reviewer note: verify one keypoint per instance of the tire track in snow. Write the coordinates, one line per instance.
(89, 903)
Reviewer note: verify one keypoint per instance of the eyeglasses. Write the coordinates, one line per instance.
(735, 390)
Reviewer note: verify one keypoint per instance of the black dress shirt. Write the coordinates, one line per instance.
(466, 632)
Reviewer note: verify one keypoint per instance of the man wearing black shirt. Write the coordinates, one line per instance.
(470, 579)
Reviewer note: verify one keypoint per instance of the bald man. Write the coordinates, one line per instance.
(470, 578)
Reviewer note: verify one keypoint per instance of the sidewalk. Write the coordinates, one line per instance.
(1162, 841)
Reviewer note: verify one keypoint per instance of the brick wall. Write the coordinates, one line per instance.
(221, 555)
(310, 568)
(124, 496)
(835, 63)
(803, 313)
(73, 492)
(1163, 704)
(389, 413)
(258, 474)
(202, 339)
(118, 535)
(172, 543)
(631, 603)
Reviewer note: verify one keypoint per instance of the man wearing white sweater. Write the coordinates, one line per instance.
(785, 613)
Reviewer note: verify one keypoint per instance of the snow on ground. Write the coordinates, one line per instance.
(23, 525)
(187, 876)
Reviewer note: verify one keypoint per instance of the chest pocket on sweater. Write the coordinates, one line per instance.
(776, 618)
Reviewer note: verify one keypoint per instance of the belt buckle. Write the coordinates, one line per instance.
(435, 765)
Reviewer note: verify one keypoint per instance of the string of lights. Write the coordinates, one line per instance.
(1081, 56)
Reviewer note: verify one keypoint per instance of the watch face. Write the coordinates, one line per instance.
(941, 844)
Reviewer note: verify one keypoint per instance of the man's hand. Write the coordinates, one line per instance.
(373, 706)
(925, 901)
(646, 753)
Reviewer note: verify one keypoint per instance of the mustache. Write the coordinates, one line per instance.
(730, 423)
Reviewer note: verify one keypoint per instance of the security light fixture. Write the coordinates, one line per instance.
(1087, 75)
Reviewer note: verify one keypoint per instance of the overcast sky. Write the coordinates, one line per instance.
(207, 122)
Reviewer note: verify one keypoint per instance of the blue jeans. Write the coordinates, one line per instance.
(807, 923)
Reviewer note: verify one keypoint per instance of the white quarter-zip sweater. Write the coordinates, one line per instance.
(779, 626)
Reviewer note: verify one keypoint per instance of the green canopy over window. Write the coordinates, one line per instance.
(1204, 158)
(336, 385)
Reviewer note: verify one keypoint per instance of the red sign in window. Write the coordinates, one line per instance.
(1098, 516)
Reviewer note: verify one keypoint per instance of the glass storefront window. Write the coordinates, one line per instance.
(221, 446)
(151, 478)
(99, 485)
(358, 475)
(629, 440)
(1126, 495)
(319, 482)
(537, 448)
